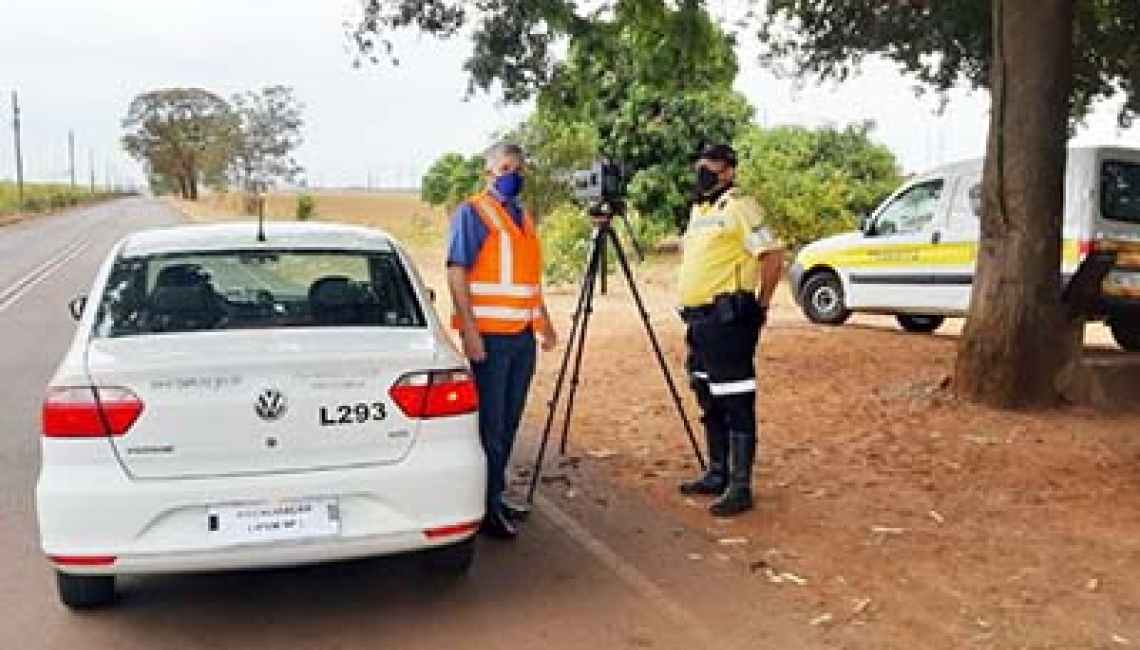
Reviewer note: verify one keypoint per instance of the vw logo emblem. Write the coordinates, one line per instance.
(271, 405)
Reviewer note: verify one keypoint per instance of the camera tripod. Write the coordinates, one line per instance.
(603, 237)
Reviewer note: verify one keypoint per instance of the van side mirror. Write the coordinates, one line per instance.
(865, 224)
(76, 306)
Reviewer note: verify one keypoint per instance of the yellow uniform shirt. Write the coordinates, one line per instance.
(721, 246)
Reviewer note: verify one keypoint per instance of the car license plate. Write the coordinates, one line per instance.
(273, 522)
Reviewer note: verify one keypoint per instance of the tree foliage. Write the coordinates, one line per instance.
(950, 42)
(815, 182)
(451, 179)
(267, 136)
(621, 90)
(188, 136)
(554, 150)
(181, 135)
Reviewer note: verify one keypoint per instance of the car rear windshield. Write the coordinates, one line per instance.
(1120, 191)
(231, 290)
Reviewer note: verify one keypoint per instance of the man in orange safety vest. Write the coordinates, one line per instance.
(494, 272)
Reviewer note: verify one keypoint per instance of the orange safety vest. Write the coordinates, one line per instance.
(506, 279)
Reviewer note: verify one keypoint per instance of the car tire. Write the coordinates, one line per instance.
(454, 560)
(823, 301)
(1126, 333)
(85, 592)
(920, 324)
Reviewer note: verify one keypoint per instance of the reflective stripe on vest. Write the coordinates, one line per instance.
(505, 281)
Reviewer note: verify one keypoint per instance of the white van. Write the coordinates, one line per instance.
(915, 256)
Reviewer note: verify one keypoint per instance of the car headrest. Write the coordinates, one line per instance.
(338, 291)
(181, 275)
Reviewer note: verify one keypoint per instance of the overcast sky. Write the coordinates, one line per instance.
(78, 63)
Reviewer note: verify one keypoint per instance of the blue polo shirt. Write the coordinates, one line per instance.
(467, 232)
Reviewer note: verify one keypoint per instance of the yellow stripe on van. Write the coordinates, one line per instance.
(921, 255)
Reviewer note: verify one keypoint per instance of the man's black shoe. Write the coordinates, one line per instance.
(708, 485)
(516, 513)
(496, 525)
(735, 500)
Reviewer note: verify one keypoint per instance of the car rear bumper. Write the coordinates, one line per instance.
(160, 526)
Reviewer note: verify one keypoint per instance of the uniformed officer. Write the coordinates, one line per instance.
(494, 271)
(730, 268)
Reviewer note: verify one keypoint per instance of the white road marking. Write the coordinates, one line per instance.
(12, 294)
(633, 578)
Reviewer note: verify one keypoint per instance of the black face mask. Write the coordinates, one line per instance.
(707, 181)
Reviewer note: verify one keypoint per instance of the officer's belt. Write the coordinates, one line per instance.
(700, 313)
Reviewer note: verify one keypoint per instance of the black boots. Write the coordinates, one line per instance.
(715, 479)
(738, 497)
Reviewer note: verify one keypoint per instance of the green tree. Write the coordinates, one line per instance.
(181, 135)
(651, 101)
(451, 179)
(267, 136)
(1044, 61)
(554, 150)
(658, 135)
(815, 182)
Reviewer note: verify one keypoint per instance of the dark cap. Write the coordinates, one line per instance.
(721, 152)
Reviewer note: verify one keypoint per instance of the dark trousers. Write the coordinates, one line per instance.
(721, 364)
(502, 381)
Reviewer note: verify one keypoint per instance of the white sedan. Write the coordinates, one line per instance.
(231, 403)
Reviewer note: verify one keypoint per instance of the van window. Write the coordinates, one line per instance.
(262, 289)
(910, 212)
(1120, 191)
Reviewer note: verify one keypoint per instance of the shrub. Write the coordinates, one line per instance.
(306, 207)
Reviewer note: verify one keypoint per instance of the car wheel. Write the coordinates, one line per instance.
(453, 560)
(823, 301)
(918, 324)
(1126, 332)
(85, 592)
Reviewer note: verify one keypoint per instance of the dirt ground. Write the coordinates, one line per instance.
(905, 518)
(912, 520)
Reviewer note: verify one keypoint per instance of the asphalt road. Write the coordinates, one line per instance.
(571, 581)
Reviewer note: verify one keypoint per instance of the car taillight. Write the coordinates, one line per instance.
(89, 412)
(435, 394)
(1085, 247)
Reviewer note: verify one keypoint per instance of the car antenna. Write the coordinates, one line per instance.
(261, 217)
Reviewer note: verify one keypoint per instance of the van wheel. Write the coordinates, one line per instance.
(918, 324)
(1126, 332)
(85, 592)
(823, 301)
(454, 560)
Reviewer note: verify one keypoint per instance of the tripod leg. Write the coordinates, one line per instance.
(552, 405)
(599, 269)
(603, 259)
(624, 264)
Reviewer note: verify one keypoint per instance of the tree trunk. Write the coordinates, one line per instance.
(183, 189)
(1019, 341)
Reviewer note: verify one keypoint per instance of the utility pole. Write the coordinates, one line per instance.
(71, 156)
(19, 153)
(91, 166)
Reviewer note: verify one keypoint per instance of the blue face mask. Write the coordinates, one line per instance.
(510, 185)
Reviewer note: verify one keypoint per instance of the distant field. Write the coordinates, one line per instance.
(402, 214)
(42, 197)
